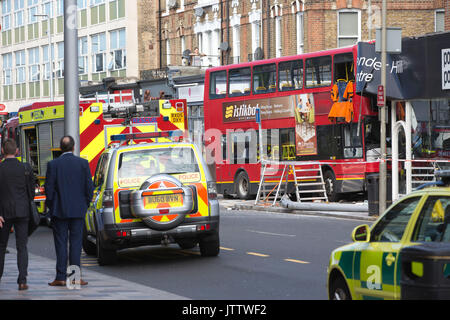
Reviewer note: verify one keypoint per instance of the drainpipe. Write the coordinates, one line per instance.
(268, 28)
(160, 34)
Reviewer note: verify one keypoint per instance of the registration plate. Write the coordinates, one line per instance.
(155, 200)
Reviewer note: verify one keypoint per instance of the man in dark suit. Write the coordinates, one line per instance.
(15, 186)
(69, 190)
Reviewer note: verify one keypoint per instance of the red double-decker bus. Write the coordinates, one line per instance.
(308, 112)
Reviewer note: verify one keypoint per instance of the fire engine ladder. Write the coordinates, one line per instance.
(308, 179)
(270, 184)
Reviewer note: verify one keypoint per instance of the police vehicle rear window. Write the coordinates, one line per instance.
(136, 166)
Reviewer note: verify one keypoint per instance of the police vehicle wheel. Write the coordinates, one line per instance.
(105, 257)
(243, 186)
(339, 290)
(210, 245)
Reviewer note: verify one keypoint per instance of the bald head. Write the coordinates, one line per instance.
(67, 144)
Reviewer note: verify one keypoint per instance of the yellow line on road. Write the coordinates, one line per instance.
(257, 254)
(296, 261)
(226, 249)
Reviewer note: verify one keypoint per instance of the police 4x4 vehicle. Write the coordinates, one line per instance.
(149, 194)
(371, 267)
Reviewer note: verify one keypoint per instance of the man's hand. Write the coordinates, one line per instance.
(2, 221)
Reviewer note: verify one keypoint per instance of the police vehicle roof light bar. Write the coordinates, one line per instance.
(146, 135)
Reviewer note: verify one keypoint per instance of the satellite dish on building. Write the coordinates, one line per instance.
(199, 11)
(172, 3)
(259, 54)
(224, 46)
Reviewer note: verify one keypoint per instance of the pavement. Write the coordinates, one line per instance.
(362, 214)
(41, 270)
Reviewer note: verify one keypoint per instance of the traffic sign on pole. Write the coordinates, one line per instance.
(380, 96)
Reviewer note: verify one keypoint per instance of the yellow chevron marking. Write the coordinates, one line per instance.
(88, 117)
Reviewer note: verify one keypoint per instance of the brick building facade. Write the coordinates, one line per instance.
(230, 31)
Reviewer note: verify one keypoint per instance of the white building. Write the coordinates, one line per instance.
(107, 46)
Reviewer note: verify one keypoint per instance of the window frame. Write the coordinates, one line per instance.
(20, 66)
(286, 88)
(267, 89)
(97, 48)
(7, 68)
(358, 35)
(33, 64)
(19, 10)
(119, 47)
(418, 199)
(213, 77)
(315, 85)
(6, 15)
(230, 82)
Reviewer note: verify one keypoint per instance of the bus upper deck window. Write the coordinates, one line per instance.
(318, 72)
(218, 84)
(264, 78)
(290, 75)
(239, 82)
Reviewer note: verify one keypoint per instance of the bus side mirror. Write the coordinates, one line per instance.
(361, 233)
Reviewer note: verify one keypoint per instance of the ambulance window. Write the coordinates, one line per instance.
(100, 172)
(433, 221)
(392, 225)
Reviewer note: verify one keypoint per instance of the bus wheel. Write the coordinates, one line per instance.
(330, 186)
(243, 186)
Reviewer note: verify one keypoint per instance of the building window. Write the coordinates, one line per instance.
(60, 61)
(98, 42)
(278, 47)
(118, 50)
(33, 64)
(46, 60)
(82, 55)
(81, 4)
(98, 11)
(32, 11)
(300, 34)
(6, 15)
(19, 13)
(7, 69)
(7, 77)
(168, 51)
(116, 9)
(439, 20)
(59, 7)
(349, 27)
(47, 8)
(20, 66)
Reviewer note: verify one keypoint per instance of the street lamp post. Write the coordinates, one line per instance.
(52, 96)
(383, 166)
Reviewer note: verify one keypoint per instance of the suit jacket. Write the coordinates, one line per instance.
(68, 186)
(14, 188)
